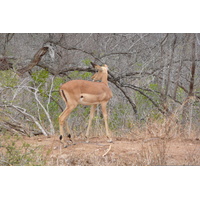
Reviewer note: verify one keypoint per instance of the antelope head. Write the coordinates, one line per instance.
(101, 74)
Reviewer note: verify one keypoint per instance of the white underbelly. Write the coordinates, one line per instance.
(88, 103)
(88, 99)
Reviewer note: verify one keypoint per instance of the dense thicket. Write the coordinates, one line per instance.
(152, 76)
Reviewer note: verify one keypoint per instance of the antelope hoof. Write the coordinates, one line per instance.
(60, 137)
(110, 140)
(65, 146)
(87, 141)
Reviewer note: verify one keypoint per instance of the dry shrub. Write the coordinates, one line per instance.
(152, 153)
(168, 128)
(192, 156)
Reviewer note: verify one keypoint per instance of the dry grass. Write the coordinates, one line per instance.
(153, 153)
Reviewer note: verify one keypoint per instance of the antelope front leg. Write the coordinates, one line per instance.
(105, 116)
(92, 111)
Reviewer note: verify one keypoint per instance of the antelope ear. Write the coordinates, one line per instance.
(95, 65)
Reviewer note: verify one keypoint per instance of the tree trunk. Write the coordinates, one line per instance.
(186, 107)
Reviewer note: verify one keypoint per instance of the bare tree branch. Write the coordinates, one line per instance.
(36, 59)
(24, 112)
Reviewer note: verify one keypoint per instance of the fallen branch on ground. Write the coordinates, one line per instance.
(107, 151)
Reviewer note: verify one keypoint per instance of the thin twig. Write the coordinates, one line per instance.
(107, 151)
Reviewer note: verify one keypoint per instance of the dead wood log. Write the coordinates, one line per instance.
(19, 129)
(15, 128)
(36, 59)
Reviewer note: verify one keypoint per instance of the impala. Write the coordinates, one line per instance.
(84, 92)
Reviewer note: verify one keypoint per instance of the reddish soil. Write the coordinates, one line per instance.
(124, 151)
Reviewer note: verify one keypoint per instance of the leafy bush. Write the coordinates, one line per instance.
(40, 76)
(8, 78)
(15, 152)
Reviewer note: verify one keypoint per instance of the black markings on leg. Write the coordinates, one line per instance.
(60, 137)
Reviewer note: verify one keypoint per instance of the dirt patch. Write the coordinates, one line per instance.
(124, 151)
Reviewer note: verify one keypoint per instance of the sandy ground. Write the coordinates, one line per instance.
(123, 151)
